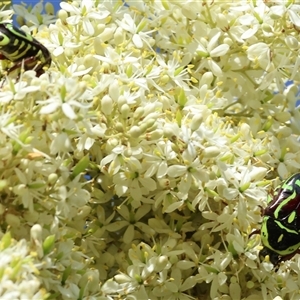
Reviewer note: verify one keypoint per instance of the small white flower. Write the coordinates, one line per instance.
(260, 53)
(67, 98)
(131, 220)
(210, 50)
(158, 160)
(83, 15)
(138, 36)
(35, 16)
(255, 19)
(132, 180)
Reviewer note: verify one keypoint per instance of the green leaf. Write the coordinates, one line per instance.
(81, 166)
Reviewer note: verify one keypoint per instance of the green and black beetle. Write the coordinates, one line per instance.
(22, 50)
(280, 230)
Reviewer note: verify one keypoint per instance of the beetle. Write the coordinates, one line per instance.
(22, 50)
(280, 229)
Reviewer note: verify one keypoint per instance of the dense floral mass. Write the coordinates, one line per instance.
(136, 166)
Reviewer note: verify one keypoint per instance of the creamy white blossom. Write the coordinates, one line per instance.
(138, 164)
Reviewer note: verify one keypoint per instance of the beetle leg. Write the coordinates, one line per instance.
(257, 231)
(289, 256)
(29, 63)
(23, 63)
(262, 210)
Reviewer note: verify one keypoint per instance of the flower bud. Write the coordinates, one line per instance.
(83, 212)
(90, 61)
(36, 239)
(292, 42)
(164, 79)
(62, 15)
(98, 46)
(161, 263)
(196, 122)
(118, 36)
(52, 178)
(211, 151)
(121, 101)
(154, 135)
(106, 105)
(138, 113)
(49, 8)
(228, 41)
(125, 111)
(111, 144)
(135, 131)
(203, 90)
(36, 232)
(114, 92)
(119, 127)
(107, 34)
(48, 244)
(122, 278)
(143, 127)
(222, 21)
(100, 28)
(267, 28)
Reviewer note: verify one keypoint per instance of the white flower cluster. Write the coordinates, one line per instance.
(138, 163)
(19, 271)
